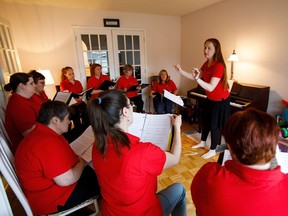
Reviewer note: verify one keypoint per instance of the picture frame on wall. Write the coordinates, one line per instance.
(111, 22)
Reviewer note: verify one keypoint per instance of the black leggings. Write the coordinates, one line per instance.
(214, 116)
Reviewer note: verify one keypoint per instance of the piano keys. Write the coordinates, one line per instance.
(242, 96)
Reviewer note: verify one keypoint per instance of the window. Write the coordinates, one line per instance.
(112, 49)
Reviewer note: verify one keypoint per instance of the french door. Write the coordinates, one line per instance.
(112, 48)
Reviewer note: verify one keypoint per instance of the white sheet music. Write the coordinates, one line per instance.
(153, 128)
(176, 99)
(282, 160)
(82, 146)
(62, 96)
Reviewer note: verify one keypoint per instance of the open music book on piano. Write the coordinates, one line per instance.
(154, 128)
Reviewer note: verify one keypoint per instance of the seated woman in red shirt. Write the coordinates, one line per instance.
(161, 104)
(96, 79)
(52, 176)
(249, 184)
(78, 111)
(21, 112)
(125, 82)
(126, 168)
(39, 96)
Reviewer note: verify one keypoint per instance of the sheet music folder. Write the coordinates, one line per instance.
(154, 128)
(87, 91)
(134, 87)
(106, 84)
(63, 96)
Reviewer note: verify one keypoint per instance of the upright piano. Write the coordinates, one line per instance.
(242, 96)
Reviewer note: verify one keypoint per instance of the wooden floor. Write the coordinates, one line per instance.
(183, 172)
(187, 167)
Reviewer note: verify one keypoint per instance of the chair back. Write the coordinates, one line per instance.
(7, 143)
(9, 174)
(4, 202)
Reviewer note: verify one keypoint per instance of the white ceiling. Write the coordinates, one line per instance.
(160, 7)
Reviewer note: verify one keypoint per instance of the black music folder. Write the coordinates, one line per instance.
(134, 87)
(106, 84)
(87, 91)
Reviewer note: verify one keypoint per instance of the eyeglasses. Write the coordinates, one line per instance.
(131, 104)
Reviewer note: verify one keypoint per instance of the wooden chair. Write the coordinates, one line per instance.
(9, 174)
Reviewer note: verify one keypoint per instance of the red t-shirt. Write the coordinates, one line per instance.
(95, 83)
(42, 155)
(39, 99)
(216, 69)
(235, 189)
(21, 114)
(160, 87)
(129, 183)
(74, 88)
(124, 82)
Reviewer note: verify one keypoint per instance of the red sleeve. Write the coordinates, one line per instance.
(90, 83)
(64, 86)
(173, 86)
(152, 159)
(59, 153)
(119, 84)
(26, 118)
(218, 70)
(154, 86)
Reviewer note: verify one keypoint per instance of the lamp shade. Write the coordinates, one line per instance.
(233, 57)
(48, 77)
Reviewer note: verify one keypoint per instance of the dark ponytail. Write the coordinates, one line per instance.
(15, 80)
(104, 114)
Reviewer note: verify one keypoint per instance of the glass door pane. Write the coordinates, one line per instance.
(130, 46)
(94, 46)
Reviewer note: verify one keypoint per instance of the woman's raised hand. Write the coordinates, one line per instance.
(177, 67)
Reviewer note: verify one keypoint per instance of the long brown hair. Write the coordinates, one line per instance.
(219, 58)
(104, 114)
(159, 77)
(64, 71)
(92, 69)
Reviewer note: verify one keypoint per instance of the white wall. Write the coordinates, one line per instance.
(44, 37)
(256, 29)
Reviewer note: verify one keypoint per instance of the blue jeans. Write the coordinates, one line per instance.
(163, 105)
(173, 200)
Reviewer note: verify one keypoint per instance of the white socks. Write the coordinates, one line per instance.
(209, 154)
(202, 144)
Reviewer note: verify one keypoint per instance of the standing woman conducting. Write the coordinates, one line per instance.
(126, 168)
(216, 109)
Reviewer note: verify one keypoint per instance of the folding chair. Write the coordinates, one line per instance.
(9, 174)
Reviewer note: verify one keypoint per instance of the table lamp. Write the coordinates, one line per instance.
(233, 57)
